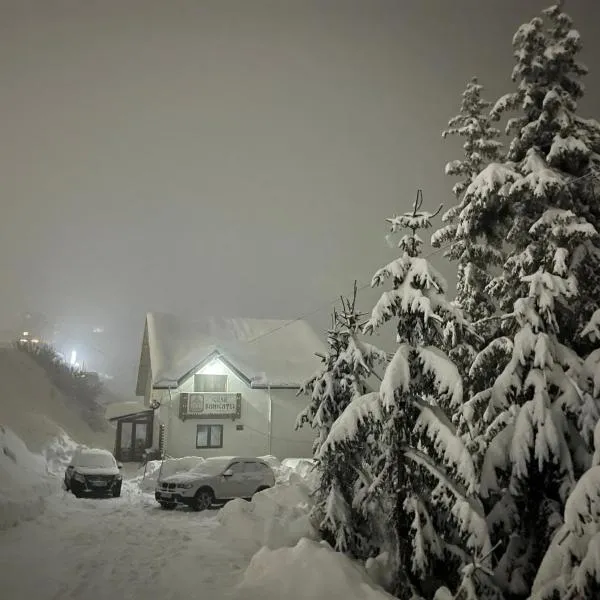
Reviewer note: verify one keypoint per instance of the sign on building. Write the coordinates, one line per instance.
(210, 405)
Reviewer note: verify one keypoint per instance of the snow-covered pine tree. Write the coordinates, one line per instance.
(534, 450)
(553, 162)
(347, 365)
(422, 490)
(470, 246)
(468, 237)
(571, 567)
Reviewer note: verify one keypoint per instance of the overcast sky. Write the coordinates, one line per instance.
(232, 158)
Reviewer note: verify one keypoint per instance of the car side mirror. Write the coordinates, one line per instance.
(119, 465)
(228, 473)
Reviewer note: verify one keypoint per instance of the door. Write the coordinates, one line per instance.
(140, 435)
(125, 441)
(232, 486)
(133, 437)
(253, 478)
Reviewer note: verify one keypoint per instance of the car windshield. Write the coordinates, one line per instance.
(212, 466)
(103, 461)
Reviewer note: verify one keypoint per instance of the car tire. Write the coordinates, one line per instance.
(167, 505)
(67, 488)
(117, 492)
(203, 499)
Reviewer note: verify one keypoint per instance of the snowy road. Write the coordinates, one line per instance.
(124, 548)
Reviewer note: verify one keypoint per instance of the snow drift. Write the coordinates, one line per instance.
(308, 570)
(274, 518)
(290, 468)
(24, 480)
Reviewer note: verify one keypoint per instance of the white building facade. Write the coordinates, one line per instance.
(224, 387)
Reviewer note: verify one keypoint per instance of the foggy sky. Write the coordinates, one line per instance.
(229, 158)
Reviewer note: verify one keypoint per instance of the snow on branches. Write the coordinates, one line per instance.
(347, 365)
(420, 467)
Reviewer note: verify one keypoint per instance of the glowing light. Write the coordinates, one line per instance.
(214, 367)
(35, 341)
(23, 340)
(73, 360)
(26, 333)
(98, 330)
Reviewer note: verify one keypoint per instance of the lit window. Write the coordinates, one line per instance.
(210, 383)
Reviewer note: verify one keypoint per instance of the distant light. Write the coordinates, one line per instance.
(23, 340)
(73, 357)
(98, 330)
(26, 333)
(35, 341)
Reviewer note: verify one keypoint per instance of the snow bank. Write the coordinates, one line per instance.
(291, 468)
(147, 477)
(58, 453)
(307, 571)
(24, 480)
(275, 518)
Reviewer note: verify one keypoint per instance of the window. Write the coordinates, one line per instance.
(236, 468)
(209, 436)
(252, 467)
(210, 383)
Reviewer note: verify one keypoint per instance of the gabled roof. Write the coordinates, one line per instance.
(263, 352)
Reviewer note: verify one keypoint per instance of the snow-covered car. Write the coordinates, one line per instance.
(214, 480)
(93, 472)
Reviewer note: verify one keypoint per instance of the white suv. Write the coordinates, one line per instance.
(93, 472)
(213, 480)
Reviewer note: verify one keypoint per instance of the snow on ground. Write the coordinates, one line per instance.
(119, 547)
(24, 481)
(308, 571)
(130, 548)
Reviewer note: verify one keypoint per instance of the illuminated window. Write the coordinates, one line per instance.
(210, 383)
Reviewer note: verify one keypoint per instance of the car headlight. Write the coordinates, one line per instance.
(186, 486)
(79, 477)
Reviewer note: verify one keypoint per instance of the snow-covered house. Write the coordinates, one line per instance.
(227, 386)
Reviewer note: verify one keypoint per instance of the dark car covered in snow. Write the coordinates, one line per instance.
(93, 472)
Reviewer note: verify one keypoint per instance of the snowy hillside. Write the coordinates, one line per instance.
(35, 410)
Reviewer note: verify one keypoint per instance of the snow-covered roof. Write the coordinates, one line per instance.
(265, 352)
(116, 410)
